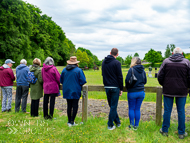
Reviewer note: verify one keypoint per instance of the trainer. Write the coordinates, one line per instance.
(174, 76)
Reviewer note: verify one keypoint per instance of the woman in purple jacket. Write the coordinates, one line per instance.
(51, 82)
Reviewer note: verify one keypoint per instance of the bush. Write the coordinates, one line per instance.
(154, 65)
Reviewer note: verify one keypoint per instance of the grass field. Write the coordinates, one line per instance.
(21, 128)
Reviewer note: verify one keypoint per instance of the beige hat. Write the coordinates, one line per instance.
(73, 60)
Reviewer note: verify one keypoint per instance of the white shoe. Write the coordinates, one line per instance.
(69, 124)
(111, 128)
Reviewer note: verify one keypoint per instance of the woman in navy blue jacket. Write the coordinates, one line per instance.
(136, 93)
(72, 78)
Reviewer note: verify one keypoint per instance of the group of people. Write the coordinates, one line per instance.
(173, 75)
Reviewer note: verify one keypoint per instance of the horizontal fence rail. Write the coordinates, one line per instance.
(86, 88)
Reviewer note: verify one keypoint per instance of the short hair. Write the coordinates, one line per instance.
(37, 61)
(135, 61)
(23, 61)
(114, 51)
(49, 61)
(177, 50)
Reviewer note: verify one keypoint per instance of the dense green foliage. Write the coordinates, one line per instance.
(86, 58)
(26, 33)
(153, 56)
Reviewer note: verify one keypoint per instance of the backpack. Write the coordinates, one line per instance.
(31, 78)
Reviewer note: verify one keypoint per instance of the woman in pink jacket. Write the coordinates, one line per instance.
(50, 76)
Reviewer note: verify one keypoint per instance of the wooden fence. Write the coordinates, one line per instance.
(87, 88)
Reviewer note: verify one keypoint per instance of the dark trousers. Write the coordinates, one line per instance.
(45, 105)
(72, 108)
(34, 107)
(168, 105)
(113, 97)
(21, 93)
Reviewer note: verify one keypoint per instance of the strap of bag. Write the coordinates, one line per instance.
(132, 71)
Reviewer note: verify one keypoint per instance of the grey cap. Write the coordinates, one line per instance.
(9, 61)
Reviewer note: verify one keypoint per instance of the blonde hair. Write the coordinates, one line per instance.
(37, 61)
(135, 61)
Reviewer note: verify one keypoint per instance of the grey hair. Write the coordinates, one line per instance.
(49, 61)
(23, 61)
(177, 50)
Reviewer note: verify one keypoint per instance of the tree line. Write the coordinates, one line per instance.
(27, 33)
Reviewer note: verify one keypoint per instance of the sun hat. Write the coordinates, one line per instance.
(9, 61)
(73, 60)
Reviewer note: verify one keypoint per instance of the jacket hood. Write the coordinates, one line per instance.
(21, 66)
(47, 67)
(109, 59)
(176, 58)
(6, 66)
(70, 67)
(139, 68)
(35, 69)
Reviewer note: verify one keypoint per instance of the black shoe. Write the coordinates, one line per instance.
(182, 136)
(3, 111)
(9, 110)
(163, 133)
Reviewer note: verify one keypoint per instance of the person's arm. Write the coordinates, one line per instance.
(119, 76)
(12, 75)
(161, 74)
(82, 78)
(145, 79)
(62, 77)
(57, 76)
(40, 77)
(188, 76)
(129, 74)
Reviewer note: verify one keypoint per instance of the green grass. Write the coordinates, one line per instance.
(36, 129)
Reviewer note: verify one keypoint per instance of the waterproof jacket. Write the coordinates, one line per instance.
(72, 79)
(21, 74)
(6, 76)
(111, 72)
(174, 76)
(141, 79)
(36, 90)
(51, 79)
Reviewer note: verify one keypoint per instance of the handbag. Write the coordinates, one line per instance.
(132, 79)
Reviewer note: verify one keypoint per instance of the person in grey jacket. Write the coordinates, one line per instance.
(22, 86)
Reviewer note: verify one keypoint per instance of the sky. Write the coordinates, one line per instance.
(129, 25)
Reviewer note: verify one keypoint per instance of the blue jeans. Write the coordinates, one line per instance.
(113, 97)
(168, 105)
(135, 100)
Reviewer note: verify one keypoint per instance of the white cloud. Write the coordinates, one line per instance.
(131, 26)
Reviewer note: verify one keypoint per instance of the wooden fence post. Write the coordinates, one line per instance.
(85, 103)
(159, 106)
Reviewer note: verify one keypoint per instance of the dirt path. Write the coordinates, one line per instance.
(101, 108)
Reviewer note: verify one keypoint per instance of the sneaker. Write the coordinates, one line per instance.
(118, 125)
(130, 127)
(111, 128)
(163, 133)
(9, 110)
(135, 128)
(74, 124)
(69, 124)
(182, 136)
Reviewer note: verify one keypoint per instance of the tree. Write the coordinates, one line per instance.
(169, 50)
(136, 55)
(120, 59)
(128, 60)
(153, 56)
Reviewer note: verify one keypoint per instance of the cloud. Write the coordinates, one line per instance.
(131, 26)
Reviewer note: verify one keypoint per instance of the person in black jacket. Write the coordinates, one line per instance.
(136, 93)
(113, 84)
(174, 76)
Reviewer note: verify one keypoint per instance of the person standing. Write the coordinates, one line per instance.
(36, 90)
(135, 93)
(113, 84)
(7, 77)
(51, 82)
(174, 76)
(22, 86)
(72, 78)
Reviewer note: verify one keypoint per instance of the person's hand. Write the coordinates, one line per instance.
(120, 93)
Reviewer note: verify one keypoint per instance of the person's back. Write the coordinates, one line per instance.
(21, 74)
(173, 76)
